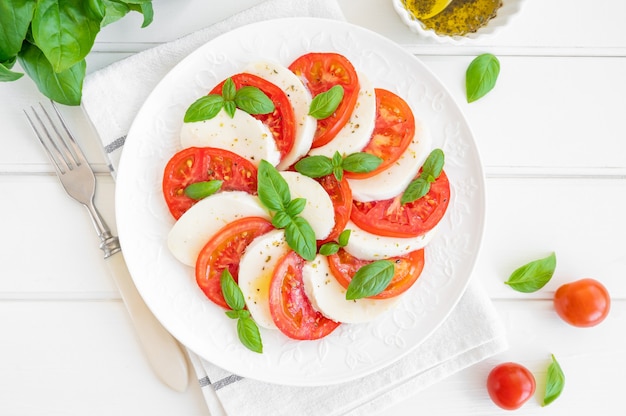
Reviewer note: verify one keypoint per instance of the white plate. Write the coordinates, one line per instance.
(169, 288)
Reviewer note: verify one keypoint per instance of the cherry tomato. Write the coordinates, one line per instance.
(282, 121)
(407, 269)
(510, 385)
(341, 197)
(199, 164)
(583, 303)
(393, 131)
(290, 307)
(320, 71)
(392, 219)
(223, 251)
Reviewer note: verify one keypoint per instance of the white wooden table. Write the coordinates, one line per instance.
(553, 141)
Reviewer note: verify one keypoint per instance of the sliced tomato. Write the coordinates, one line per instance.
(223, 251)
(392, 219)
(282, 121)
(320, 71)
(199, 164)
(407, 270)
(289, 305)
(393, 131)
(341, 197)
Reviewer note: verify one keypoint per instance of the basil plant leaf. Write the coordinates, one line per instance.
(295, 206)
(370, 279)
(481, 76)
(229, 90)
(15, 18)
(301, 238)
(328, 249)
(204, 108)
(344, 237)
(146, 9)
(6, 75)
(200, 190)
(65, 31)
(534, 275)
(231, 291)
(361, 162)
(416, 189)
(554, 383)
(249, 334)
(253, 101)
(281, 219)
(63, 87)
(434, 163)
(315, 166)
(325, 103)
(272, 188)
(113, 11)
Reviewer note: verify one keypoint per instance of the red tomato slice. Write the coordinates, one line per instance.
(341, 196)
(407, 269)
(223, 251)
(282, 121)
(392, 219)
(290, 307)
(320, 71)
(393, 131)
(198, 164)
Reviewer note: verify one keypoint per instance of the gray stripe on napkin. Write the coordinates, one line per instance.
(206, 381)
(115, 144)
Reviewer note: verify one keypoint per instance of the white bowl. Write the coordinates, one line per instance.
(504, 14)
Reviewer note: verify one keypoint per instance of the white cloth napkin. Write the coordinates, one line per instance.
(472, 332)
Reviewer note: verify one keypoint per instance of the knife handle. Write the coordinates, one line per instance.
(163, 351)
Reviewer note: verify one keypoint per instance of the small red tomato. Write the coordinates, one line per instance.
(510, 385)
(582, 303)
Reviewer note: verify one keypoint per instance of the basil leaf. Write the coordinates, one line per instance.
(314, 166)
(534, 275)
(555, 382)
(416, 189)
(272, 188)
(204, 108)
(230, 108)
(301, 238)
(6, 75)
(231, 291)
(65, 31)
(253, 101)
(145, 8)
(249, 334)
(370, 279)
(63, 87)
(236, 314)
(295, 206)
(481, 76)
(434, 164)
(338, 172)
(113, 11)
(229, 90)
(281, 219)
(344, 237)
(324, 104)
(328, 249)
(200, 190)
(361, 162)
(15, 17)
(337, 160)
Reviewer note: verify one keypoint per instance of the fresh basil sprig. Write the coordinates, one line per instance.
(534, 275)
(249, 99)
(200, 190)
(247, 329)
(318, 165)
(275, 195)
(481, 76)
(430, 172)
(554, 383)
(324, 104)
(370, 279)
(332, 247)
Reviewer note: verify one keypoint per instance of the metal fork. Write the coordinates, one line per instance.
(77, 177)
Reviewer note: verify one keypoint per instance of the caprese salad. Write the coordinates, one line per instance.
(303, 196)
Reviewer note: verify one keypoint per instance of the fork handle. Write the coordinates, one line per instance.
(163, 351)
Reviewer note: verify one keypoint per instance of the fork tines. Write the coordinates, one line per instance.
(59, 143)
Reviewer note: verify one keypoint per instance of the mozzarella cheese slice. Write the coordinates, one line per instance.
(300, 99)
(319, 210)
(357, 132)
(329, 297)
(394, 180)
(198, 224)
(242, 134)
(255, 274)
(368, 246)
